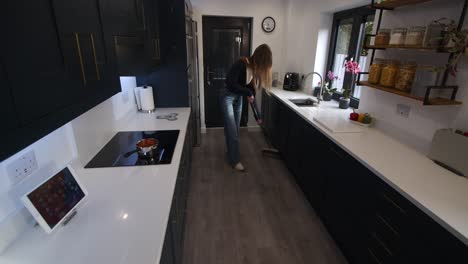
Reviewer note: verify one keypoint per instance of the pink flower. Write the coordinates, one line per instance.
(330, 75)
(352, 67)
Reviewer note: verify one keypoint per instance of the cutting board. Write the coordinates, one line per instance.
(337, 124)
(450, 149)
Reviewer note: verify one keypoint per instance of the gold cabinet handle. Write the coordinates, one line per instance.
(98, 74)
(374, 256)
(157, 52)
(387, 224)
(388, 199)
(80, 57)
(382, 244)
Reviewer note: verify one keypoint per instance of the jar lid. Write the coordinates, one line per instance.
(418, 28)
(393, 62)
(384, 30)
(409, 64)
(380, 61)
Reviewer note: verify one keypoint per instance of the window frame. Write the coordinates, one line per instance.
(359, 16)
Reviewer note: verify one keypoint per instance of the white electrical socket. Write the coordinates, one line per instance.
(22, 167)
(403, 110)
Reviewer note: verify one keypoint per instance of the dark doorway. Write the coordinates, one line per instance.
(225, 39)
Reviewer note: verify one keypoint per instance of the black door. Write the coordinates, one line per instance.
(225, 39)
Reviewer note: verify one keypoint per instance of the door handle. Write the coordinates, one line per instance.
(208, 72)
(80, 58)
(98, 74)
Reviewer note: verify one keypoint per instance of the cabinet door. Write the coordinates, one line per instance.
(34, 61)
(123, 16)
(294, 148)
(167, 255)
(341, 209)
(9, 119)
(283, 127)
(313, 167)
(89, 60)
(274, 124)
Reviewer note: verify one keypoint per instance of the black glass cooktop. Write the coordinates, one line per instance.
(120, 150)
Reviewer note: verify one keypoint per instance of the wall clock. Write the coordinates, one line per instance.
(268, 24)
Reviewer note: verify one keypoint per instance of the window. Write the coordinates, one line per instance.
(347, 41)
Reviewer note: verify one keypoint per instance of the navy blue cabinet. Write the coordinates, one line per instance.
(9, 119)
(59, 59)
(370, 221)
(88, 54)
(34, 61)
(57, 62)
(133, 26)
(173, 244)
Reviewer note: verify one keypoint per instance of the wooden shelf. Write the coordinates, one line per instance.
(392, 4)
(383, 47)
(432, 101)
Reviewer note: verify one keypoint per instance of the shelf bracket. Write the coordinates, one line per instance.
(430, 88)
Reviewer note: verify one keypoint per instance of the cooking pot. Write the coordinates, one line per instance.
(145, 148)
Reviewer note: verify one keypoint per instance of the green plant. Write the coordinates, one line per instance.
(329, 91)
(454, 41)
(346, 93)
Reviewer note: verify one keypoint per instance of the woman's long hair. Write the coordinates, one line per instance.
(261, 63)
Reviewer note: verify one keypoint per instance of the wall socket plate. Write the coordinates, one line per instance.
(22, 167)
(403, 110)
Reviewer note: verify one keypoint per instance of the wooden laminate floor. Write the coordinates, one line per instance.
(259, 216)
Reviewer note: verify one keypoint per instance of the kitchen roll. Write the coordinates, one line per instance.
(146, 98)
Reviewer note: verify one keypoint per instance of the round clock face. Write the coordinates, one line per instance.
(268, 24)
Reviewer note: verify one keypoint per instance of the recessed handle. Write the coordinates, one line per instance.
(80, 58)
(98, 74)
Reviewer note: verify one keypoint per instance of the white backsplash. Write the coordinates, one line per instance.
(82, 138)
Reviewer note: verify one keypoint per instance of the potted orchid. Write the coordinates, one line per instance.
(352, 67)
(328, 92)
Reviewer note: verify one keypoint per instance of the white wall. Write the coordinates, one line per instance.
(418, 129)
(258, 10)
(81, 137)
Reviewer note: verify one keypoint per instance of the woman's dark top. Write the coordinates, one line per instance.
(236, 83)
(236, 79)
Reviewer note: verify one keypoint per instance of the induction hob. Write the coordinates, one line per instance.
(114, 152)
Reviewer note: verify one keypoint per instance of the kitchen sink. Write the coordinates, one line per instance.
(302, 102)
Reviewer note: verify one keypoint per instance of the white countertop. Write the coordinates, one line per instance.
(125, 216)
(438, 192)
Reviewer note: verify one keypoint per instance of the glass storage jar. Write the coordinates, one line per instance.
(375, 71)
(383, 37)
(405, 76)
(433, 35)
(415, 36)
(398, 36)
(389, 72)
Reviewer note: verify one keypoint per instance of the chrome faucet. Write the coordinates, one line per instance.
(319, 96)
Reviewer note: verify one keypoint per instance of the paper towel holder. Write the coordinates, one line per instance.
(140, 110)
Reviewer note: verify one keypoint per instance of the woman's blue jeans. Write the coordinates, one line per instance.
(231, 105)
